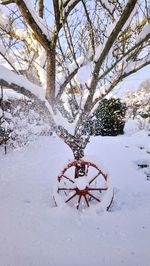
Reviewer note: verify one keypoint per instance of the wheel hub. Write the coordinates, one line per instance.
(82, 192)
(81, 183)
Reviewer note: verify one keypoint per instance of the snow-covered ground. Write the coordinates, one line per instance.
(35, 233)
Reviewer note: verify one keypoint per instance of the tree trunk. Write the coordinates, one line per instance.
(76, 144)
(77, 149)
(50, 77)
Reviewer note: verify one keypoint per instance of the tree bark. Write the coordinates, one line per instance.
(29, 19)
(41, 8)
(50, 76)
(76, 144)
(78, 147)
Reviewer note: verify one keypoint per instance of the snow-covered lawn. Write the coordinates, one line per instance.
(34, 233)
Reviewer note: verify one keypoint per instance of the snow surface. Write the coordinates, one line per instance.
(131, 126)
(33, 232)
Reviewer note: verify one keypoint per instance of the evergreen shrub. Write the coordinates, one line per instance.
(108, 119)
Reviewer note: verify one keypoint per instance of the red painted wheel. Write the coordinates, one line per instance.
(82, 184)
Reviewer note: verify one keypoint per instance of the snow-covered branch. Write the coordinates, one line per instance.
(113, 35)
(20, 84)
(131, 69)
(108, 6)
(28, 89)
(119, 25)
(128, 54)
(6, 56)
(68, 7)
(36, 23)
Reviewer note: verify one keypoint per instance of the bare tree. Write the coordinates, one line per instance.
(76, 45)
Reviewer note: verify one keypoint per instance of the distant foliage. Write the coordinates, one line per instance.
(138, 105)
(108, 119)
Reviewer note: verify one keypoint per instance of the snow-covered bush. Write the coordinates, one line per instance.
(24, 120)
(6, 127)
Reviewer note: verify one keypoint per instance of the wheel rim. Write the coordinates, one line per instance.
(82, 184)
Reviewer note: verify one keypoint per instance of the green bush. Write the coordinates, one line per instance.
(108, 119)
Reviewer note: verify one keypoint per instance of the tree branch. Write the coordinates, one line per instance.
(7, 2)
(29, 18)
(106, 8)
(57, 14)
(119, 79)
(65, 83)
(8, 61)
(41, 8)
(90, 26)
(84, 116)
(77, 145)
(29, 94)
(130, 52)
(69, 7)
(125, 15)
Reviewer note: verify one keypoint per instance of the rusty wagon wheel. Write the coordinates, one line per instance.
(82, 184)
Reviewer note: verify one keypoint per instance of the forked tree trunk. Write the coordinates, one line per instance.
(78, 151)
(76, 144)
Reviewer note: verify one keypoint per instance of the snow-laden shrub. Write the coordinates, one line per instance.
(25, 120)
(6, 126)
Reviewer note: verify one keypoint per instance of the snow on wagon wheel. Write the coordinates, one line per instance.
(82, 184)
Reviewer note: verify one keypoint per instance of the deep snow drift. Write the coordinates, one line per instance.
(34, 233)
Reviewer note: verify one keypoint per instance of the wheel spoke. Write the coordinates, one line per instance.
(95, 189)
(93, 197)
(86, 201)
(65, 189)
(68, 178)
(71, 197)
(78, 204)
(65, 193)
(95, 177)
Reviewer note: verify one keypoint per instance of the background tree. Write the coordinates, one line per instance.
(138, 102)
(92, 45)
(138, 105)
